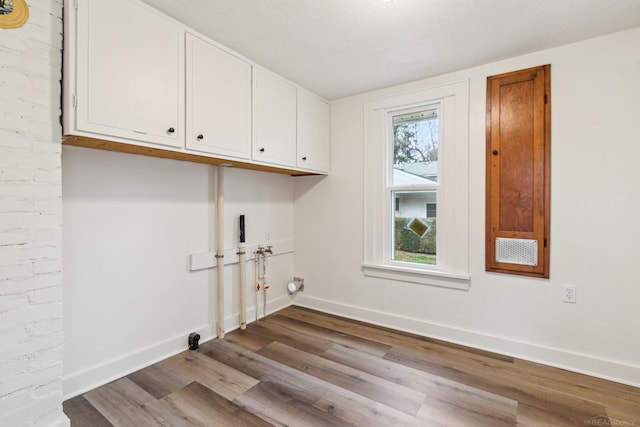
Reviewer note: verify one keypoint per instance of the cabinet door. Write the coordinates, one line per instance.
(518, 172)
(274, 119)
(218, 100)
(313, 132)
(130, 73)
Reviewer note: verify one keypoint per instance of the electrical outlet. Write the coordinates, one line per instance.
(569, 293)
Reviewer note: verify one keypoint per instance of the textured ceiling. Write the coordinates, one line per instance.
(342, 47)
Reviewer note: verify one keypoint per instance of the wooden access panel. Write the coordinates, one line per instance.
(518, 128)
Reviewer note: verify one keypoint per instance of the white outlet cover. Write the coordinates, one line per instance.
(569, 293)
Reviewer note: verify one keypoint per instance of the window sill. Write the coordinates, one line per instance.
(414, 275)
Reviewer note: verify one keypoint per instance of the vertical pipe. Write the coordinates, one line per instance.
(265, 284)
(241, 261)
(220, 248)
(256, 260)
(212, 223)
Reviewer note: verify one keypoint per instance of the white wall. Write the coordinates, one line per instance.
(130, 223)
(594, 239)
(30, 220)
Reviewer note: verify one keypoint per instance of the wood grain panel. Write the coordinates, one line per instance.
(355, 409)
(83, 413)
(561, 408)
(275, 332)
(251, 338)
(331, 398)
(219, 377)
(376, 388)
(304, 386)
(443, 396)
(159, 380)
(203, 407)
(516, 157)
(123, 403)
(278, 405)
(391, 338)
(328, 335)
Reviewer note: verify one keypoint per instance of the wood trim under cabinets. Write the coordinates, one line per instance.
(102, 144)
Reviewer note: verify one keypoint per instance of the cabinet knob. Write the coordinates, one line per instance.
(494, 152)
(304, 158)
(171, 130)
(262, 150)
(200, 137)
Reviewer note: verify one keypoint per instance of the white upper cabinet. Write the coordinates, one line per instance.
(274, 119)
(129, 72)
(313, 132)
(218, 100)
(138, 81)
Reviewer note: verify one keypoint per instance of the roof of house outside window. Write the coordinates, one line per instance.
(424, 170)
(401, 177)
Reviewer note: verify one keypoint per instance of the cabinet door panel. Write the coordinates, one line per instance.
(218, 100)
(274, 120)
(130, 72)
(313, 133)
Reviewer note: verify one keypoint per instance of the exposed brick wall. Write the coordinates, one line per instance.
(30, 220)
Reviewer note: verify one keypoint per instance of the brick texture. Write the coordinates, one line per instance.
(30, 220)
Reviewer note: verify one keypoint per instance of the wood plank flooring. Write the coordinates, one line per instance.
(299, 367)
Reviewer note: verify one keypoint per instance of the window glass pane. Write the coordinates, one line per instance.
(415, 148)
(414, 231)
(431, 210)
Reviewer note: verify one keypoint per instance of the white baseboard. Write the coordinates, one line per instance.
(95, 376)
(80, 382)
(559, 358)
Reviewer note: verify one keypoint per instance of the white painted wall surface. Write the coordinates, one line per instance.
(130, 223)
(594, 240)
(30, 220)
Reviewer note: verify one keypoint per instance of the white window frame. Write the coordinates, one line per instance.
(452, 268)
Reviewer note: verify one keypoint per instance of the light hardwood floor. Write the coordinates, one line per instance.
(299, 367)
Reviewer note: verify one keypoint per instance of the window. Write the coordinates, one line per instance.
(431, 210)
(416, 186)
(414, 141)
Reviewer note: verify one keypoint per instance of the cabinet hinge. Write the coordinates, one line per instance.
(546, 98)
(75, 102)
(545, 242)
(75, 4)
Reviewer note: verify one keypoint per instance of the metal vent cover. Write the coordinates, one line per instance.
(517, 251)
